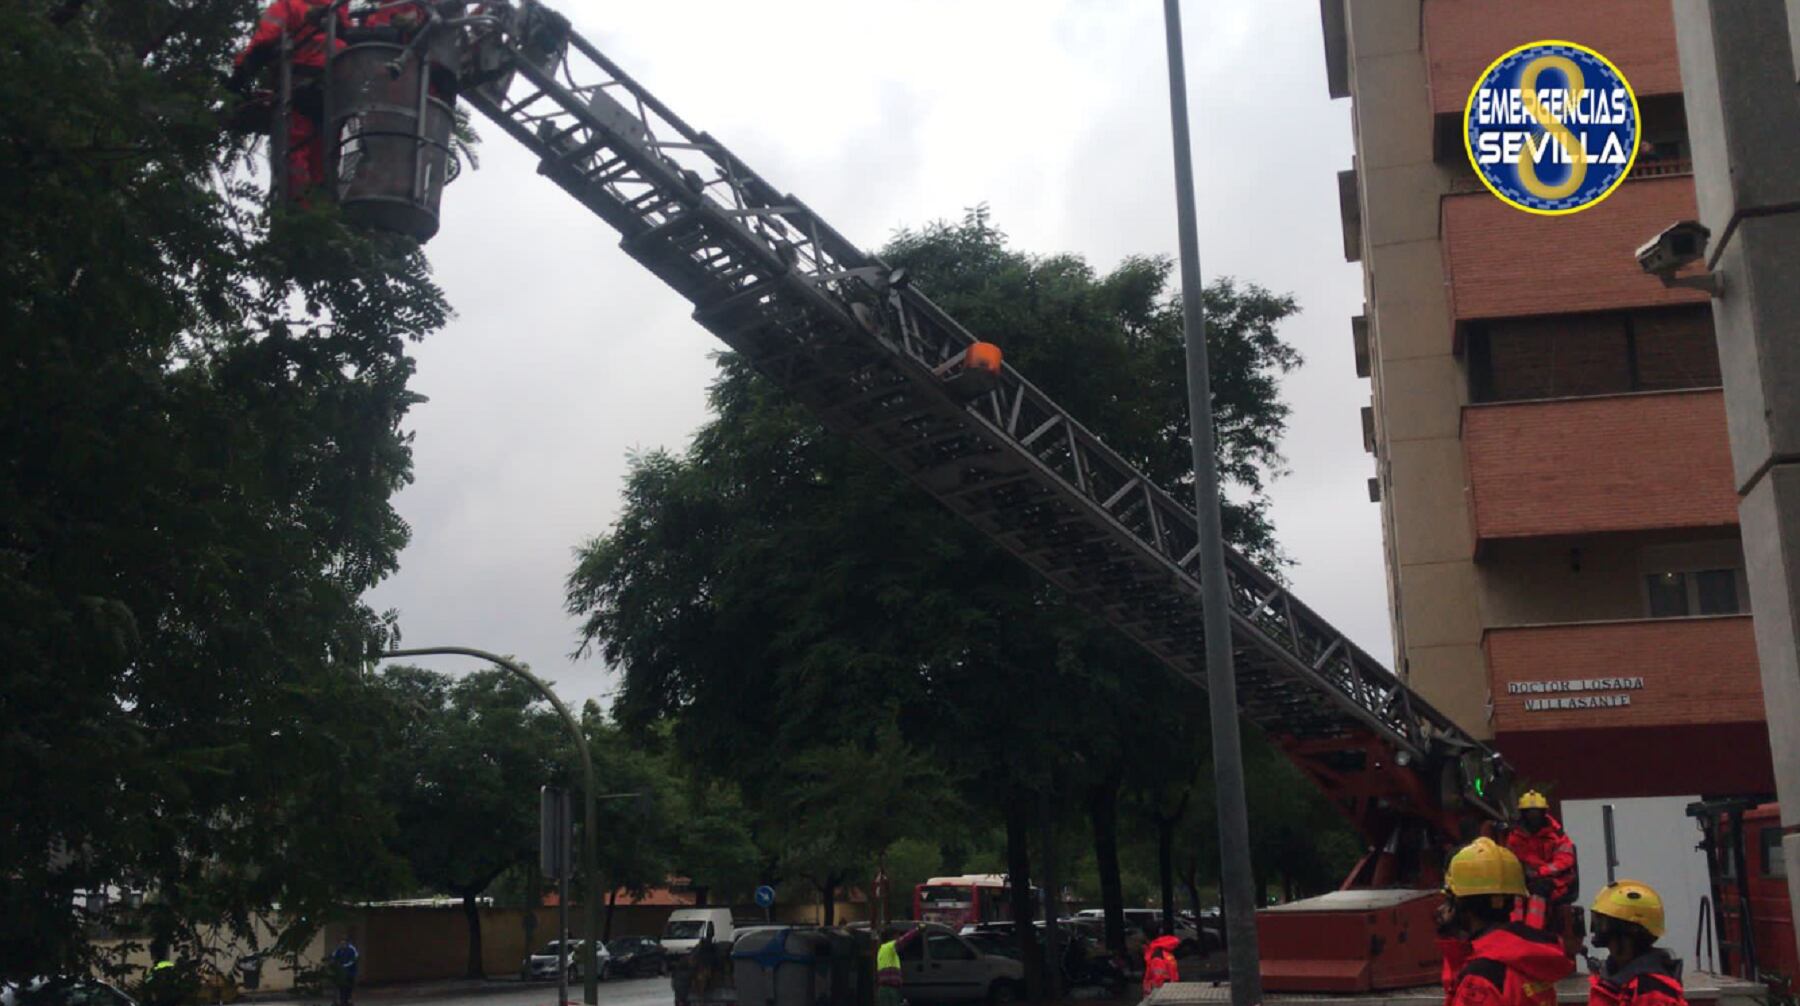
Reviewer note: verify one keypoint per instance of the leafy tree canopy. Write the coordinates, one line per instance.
(787, 603)
(200, 416)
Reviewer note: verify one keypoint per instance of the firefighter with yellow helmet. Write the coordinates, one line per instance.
(1547, 854)
(1489, 960)
(1627, 922)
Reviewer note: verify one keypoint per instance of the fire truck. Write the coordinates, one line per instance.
(878, 362)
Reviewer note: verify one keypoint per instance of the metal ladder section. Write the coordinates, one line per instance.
(869, 354)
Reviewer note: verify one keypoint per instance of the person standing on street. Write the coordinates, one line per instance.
(343, 962)
(889, 981)
(1628, 920)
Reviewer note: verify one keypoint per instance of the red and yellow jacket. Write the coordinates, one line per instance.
(298, 19)
(1652, 980)
(1508, 965)
(1546, 853)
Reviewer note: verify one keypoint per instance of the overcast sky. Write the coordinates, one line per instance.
(566, 355)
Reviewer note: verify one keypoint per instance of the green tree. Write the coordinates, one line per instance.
(463, 775)
(778, 596)
(200, 415)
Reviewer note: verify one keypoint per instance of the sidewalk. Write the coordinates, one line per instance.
(392, 991)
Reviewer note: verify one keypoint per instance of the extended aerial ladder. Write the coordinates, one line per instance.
(877, 361)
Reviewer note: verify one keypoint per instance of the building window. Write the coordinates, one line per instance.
(1693, 592)
(1575, 356)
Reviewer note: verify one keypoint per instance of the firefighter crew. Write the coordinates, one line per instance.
(888, 978)
(1490, 960)
(303, 22)
(1628, 920)
(1159, 963)
(1549, 860)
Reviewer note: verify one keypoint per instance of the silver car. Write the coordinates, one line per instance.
(541, 966)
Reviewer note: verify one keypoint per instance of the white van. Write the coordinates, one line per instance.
(688, 926)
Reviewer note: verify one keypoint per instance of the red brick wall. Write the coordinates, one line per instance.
(1620, 463)
(1581, 764)
(1695, 671)
(1504, 262)
(1463, 36)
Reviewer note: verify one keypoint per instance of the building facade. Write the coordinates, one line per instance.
(1565, 569)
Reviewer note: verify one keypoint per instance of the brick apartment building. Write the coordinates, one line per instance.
(1565, 570)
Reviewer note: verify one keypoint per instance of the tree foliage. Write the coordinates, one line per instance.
(802, 620)
(463, 777)
(200, 417)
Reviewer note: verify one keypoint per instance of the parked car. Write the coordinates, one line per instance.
(542, 964)
(941, 966)
(688, 926)
(636, 956)
(63, 992)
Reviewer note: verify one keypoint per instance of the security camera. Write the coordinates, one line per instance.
(1678, 245)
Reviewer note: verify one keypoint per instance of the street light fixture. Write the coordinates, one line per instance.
(590, 971)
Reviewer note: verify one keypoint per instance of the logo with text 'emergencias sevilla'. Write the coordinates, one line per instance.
(1551, 127)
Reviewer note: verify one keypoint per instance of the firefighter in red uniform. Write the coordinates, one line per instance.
(303, 22)
(1628, 920)
(1159, 963)
(1488, 959)
(1548, 856)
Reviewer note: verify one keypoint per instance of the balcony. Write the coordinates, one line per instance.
(1502, 263)
(1577, 466)
(1637, 708)
(1463, 36)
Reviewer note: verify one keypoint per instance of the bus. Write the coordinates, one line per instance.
(968, 900)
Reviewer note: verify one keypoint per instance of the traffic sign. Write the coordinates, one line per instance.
(765, 896)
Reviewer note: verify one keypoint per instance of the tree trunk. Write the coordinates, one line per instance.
(1018, 875)
(1052, 900)
(612, 901)
(472, 915)
(828, 898)
(1103, 812)
(1165, 868)
(1190, 878)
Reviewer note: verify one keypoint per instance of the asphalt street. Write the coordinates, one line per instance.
(614, 992)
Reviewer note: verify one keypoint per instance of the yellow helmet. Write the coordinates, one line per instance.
(1485, 867)
(1631, 901)
(1533, 800)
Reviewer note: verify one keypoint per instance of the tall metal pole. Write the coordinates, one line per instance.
(590, 856)
(1221, 677)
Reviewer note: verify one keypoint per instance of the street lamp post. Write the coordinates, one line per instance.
(1221, 678)
(590, 972)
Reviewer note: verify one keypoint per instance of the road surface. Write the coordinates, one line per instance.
(613, 992)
